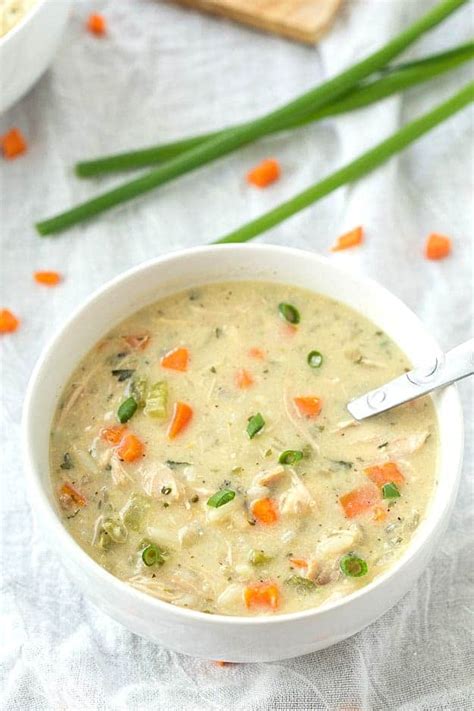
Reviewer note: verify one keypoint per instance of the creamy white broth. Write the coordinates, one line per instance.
(223, 525)
(12, 12)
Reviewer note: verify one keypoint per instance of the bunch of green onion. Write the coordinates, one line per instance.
(366, 82)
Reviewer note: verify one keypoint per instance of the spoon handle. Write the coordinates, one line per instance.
(443, 369)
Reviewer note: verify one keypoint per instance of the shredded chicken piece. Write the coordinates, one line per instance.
(337, 543)
(186, 588)
(297, 498)
(189, 534)
(231, 596)
(268, 477)
(75, 395)
(344, 425)
(161, 482)
(223, 513)
(118, 473)
(163, 536)
(403, 446)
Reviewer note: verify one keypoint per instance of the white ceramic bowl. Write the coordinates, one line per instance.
(239, 639)
(27, 50)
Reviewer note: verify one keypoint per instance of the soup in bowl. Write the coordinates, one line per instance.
(204, 469)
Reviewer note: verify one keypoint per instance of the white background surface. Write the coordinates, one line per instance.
(162, 73)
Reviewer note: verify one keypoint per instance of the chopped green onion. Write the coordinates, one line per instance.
(259, 557)
(289, 313)
(315, 359)
(114, 527)
(352, 566)
(390, 491)
(220, 498)
(157, 400)
(214, 148)
(255, 424)
(394, 78)
(152, 555)
(303, 585)
(127, 409)
(290, 456)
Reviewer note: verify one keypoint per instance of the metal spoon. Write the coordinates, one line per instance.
(442, 370)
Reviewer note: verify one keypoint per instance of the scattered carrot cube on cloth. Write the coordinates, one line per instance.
(8, 321)
(13, 144)
(265, 173)
(97, 24)
(437, 246)
(47, 278)
(349, 239)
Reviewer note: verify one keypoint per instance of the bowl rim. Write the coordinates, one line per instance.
(32, 12)
(40, 500)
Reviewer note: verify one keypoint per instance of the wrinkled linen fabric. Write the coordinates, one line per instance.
(162, 73)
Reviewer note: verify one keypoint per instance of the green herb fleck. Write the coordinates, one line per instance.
(390, 491)
(220, 498)
(259, 557)
(122, 374)
(67, 462)
(302, 585)
(255, 424)
(174, 464)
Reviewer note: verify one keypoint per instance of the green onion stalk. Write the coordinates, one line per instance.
(241, 135)
(393, 79)
(356, 169)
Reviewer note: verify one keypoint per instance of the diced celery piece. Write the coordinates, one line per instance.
(157, 400)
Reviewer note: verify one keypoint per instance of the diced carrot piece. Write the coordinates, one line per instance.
(265, 173)
(359, 501)
(243, 379)
(8, 321)
(97, 24)
(137, 341)
(220, 663)
(349, 239)
(308, 406)
(265, 511)
(298, 563)
(385, 474)
(262, 595)
(130, 448)
(182, 414)
(48, 278)
(114, 434)
(257, 353)
(13, 144)
(437, 246)
(177, 359)
(380, 514)
(68, 495)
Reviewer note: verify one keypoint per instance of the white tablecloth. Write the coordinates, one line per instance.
(162, 73)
